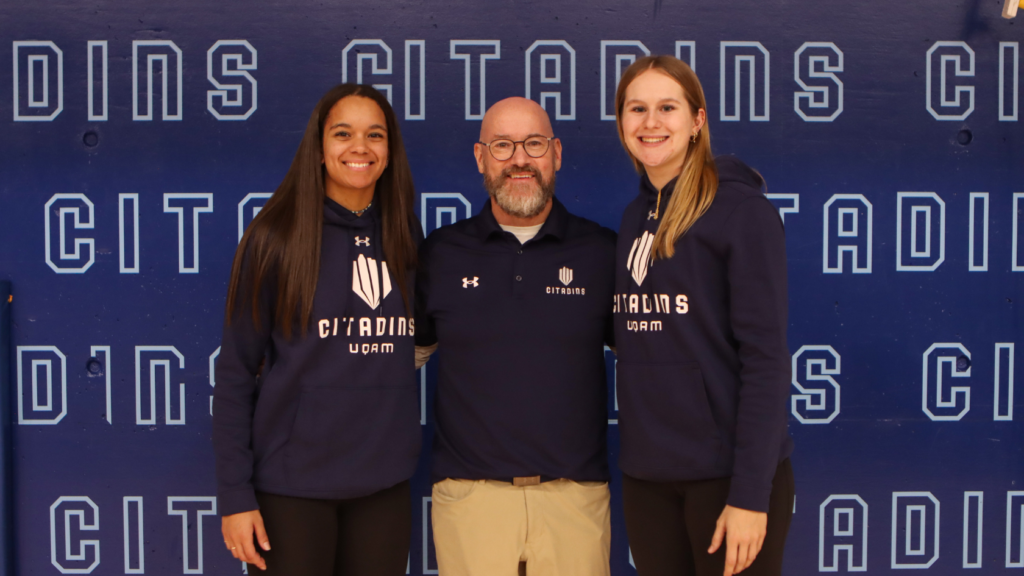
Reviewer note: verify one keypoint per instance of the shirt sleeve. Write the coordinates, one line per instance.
(243, 349)
(609, 327)
(758, 315)
(426, 332)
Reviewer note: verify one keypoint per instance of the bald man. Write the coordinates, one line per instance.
(518, 298)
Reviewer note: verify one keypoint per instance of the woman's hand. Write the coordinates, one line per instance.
(238, 532)
(744, 532)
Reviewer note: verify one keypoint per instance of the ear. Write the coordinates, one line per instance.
(699, 120)
(479, 150)
(556, 145)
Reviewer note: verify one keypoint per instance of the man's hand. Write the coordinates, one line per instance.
(238, 532)
(744, 532)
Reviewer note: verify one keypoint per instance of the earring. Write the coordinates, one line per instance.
(693, 138)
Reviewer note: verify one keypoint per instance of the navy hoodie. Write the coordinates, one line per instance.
(334, 413)
(704, 370)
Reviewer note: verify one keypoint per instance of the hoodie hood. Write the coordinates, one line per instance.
(731, 172)
(337, 215)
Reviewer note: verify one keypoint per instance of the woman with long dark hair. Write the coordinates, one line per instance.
(700, 327)
(315, 417)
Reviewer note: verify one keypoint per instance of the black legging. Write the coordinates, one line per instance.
(367, 536)
(670, 525)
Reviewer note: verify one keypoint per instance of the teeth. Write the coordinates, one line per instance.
(653, 139)
(358, 164)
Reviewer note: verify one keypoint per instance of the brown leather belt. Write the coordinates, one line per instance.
(526, 481)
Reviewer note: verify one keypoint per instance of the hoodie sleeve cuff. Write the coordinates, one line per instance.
(237, 501)
(749, 495)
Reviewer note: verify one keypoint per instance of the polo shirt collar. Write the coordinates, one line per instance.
(554, 226)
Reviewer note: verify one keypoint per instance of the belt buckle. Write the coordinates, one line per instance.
(526, 481)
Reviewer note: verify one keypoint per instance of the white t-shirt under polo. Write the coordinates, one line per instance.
(523, 233)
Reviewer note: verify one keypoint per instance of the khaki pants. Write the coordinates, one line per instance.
(486, 528)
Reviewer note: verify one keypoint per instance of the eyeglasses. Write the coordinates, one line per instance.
(535, 146)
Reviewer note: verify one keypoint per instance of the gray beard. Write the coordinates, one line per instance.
(518, 205)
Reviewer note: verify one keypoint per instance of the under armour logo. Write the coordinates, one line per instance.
(565, 275)
(370, 283)
(640, 257)
(466, 282)
(363, 242)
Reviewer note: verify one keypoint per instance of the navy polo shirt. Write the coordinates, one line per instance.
(521, 385)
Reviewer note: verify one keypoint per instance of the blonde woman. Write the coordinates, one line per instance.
(700, 326)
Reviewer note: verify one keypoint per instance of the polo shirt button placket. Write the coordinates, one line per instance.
(518, 285)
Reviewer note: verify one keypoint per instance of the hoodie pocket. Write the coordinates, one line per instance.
(665, 420)
(350, 440)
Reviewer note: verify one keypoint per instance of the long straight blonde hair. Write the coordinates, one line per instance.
(698, 181)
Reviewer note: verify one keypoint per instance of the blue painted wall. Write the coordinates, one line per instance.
(890, 132)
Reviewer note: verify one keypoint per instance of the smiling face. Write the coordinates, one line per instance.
(521, 186)
(355, 150)
(657, 123)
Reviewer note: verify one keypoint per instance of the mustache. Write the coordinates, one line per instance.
(508, 172)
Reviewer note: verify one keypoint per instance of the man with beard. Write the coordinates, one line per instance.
(519, 299)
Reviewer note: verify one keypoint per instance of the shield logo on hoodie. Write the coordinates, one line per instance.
(370, 282)
(640, 257)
